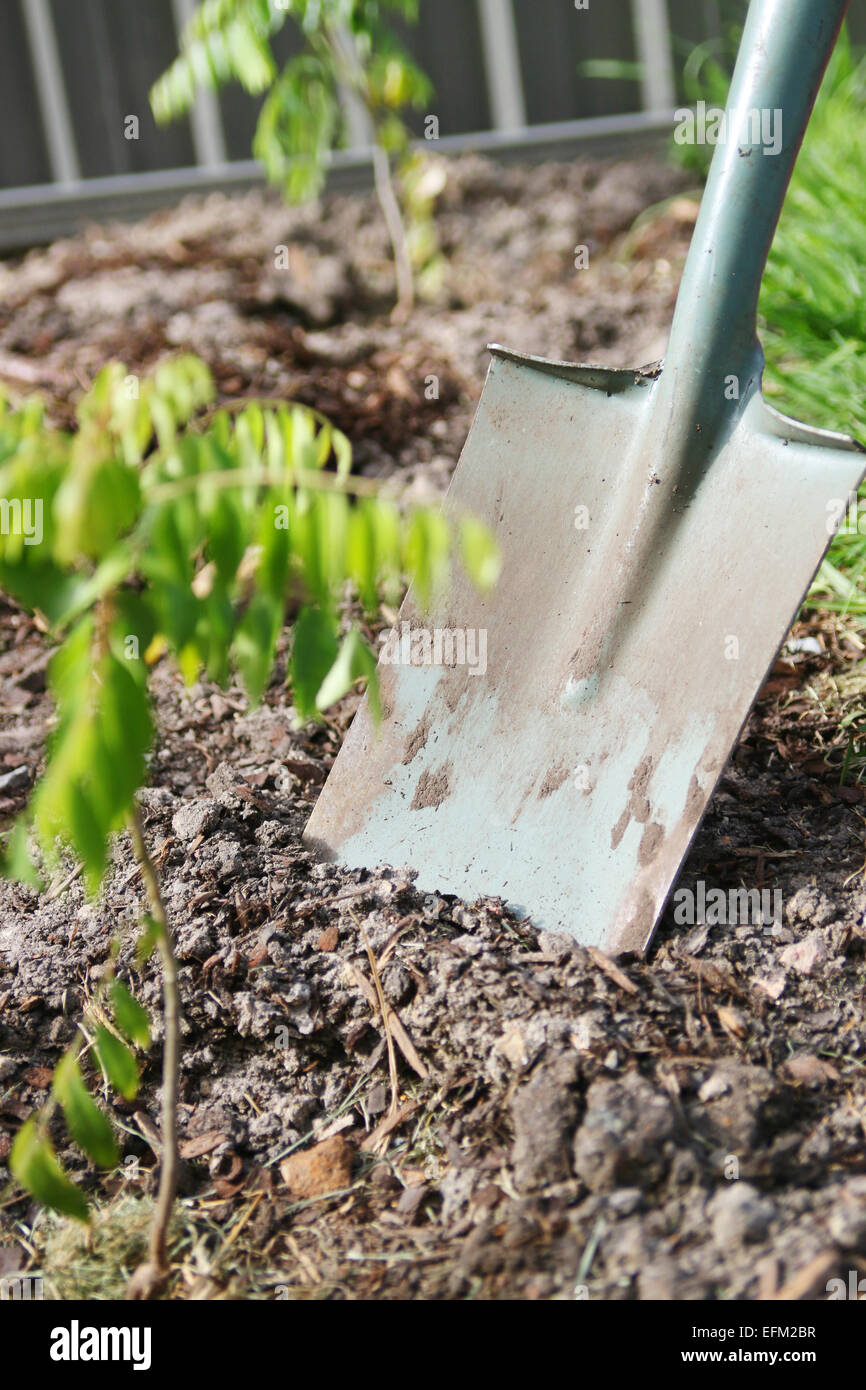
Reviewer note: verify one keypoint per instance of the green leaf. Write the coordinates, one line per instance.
(481, 555)
(98, 500)
(427, 552)
(361, 555)
(35, 1165)
(342, 453)
(131, 1018)
(255, 643)
(119, 1063)
(314, 651)
(250, 57)
(354, 662)
(298, 126)
(16, 862)
(86, 1122)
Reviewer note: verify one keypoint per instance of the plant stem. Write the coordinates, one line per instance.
(265, 477)
(168, 1173)
(344, 55)
(396, 231)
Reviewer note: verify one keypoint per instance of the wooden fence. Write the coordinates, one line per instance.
(73, 71)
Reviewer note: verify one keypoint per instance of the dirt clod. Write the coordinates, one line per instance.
(627, 1136)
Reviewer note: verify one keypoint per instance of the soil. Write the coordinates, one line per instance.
(553, 1124)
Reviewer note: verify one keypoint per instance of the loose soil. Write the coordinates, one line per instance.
(554, 1124)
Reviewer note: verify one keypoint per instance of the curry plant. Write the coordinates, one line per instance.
(162, 527)
(349, 54)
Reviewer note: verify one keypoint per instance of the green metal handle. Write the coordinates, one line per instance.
(785, 49)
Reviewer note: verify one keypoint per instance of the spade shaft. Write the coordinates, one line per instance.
(659, 529)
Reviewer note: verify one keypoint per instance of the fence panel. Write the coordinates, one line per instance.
(507, 64)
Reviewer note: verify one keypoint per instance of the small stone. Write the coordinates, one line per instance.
(221, 784)
(847, 1223)
(657, 1281)
(810, 905)
(771, 985)
(377, 1100)
(805, 1069)
(327, 1167)
(512, 1045)
(716, 1085)
(154, 799)
(15, 780)
(557, 944)
(229, 857)
(739, 1214)
(804, 955)
(625, 1201)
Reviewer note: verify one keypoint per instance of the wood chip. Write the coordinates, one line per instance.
(732, 1021)
(327, 1167)
(716, 978)
(40, 1077)
(808, 1070)
(390, 1122)
(811, 1279)
(768, 1278)
(401, 1037)
(203, 1144)
(612, 970)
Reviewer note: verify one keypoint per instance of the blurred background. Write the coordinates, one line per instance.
(527, 77)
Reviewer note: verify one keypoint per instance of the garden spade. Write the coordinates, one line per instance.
(555, 742)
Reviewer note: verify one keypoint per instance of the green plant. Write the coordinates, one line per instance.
(812, 312)
(349, 54)
(162, 526)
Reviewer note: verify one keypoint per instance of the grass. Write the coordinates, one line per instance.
(813, 299)
(812, 324)
(813, 328)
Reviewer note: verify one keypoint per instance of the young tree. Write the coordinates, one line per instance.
(350, 54)
(160, 526)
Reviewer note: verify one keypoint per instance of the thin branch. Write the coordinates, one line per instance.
(168, 1173)
(396, 231)
(264, 477)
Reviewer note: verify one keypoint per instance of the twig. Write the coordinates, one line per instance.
(396, 231)
(57, 888)
(401, 1037)
(612, 970)
(150, 1276)
(266, 477)
(383, 1009)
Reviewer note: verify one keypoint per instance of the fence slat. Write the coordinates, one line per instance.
(51, 91)
(653, 40)
(502, 64)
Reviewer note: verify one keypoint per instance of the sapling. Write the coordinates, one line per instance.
(350, 56)
(172, 529)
